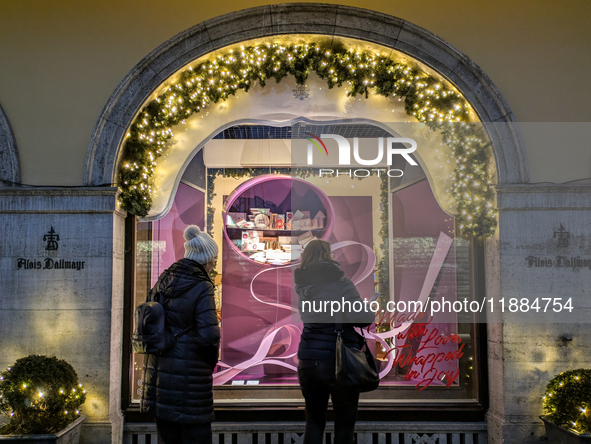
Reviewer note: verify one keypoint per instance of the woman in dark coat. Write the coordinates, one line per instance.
(177, 384)
(320, 279)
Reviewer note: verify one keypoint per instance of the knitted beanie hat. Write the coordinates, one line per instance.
(199, 246)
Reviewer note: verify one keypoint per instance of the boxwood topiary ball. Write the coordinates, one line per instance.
(40, 394)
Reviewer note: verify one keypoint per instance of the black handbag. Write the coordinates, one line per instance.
(355, 369)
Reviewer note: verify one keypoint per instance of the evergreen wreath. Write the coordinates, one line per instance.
(426, 99)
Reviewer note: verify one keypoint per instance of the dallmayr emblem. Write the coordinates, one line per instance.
(563, 236)
(575, 263)
(52, 239)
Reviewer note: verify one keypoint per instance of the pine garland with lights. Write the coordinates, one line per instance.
(39, 394)
(426, 99)
(568, 400)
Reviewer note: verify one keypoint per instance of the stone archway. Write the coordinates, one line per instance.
(327, 20)
(104, 149)
(9, 162)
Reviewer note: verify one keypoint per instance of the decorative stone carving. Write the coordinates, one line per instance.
(9, 161)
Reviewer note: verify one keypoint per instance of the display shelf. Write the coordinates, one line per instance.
(233, 231)
(279, 196)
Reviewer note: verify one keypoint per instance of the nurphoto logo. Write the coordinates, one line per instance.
(345, 154)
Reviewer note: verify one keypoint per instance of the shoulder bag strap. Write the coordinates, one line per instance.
(338, 327)
(178, 335)
(156, 298)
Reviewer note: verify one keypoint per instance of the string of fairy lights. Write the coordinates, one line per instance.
(567, 401)
(39, 398)
(426, 98)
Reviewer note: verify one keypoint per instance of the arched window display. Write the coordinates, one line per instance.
(391, 238)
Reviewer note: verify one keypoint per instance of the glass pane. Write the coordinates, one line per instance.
(159, 245)
(389, 235)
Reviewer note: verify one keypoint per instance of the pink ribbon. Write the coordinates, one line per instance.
(230, 372)
(224, 376)
(358, 277)
(441, 250)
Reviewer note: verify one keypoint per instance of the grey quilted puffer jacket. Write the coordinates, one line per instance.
(177, 384)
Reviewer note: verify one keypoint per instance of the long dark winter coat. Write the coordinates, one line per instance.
(177, 384)
(326, 282)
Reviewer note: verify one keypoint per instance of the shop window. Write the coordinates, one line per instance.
(391, 238)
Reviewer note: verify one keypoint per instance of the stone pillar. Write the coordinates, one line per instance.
(523, 355)
(68, 301)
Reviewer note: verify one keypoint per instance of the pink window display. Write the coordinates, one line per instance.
(260, 246)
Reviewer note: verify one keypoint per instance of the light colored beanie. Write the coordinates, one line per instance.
(199, 246)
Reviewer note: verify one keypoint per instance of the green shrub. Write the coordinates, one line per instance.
(568, 400)
(39, 394)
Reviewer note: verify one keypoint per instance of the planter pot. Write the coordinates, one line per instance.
(69, 435)
(562, 435)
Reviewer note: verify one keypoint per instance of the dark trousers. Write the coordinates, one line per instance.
(317, 380)
(175, 433)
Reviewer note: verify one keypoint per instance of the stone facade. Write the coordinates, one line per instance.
(77, 314)
(9, 161)
(74, 313)
(527, 350)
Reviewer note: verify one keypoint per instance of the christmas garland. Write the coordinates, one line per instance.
(426, 99)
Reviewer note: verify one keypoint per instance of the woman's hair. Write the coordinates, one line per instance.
(317, 251)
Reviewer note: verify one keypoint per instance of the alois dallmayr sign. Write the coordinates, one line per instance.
(48, 264)
(575, 263)
(52, 239)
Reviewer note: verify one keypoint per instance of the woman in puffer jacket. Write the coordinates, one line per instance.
(319, 279)
(177, 384)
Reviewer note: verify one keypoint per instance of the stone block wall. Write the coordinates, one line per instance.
(526, 350)
(66, 302)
